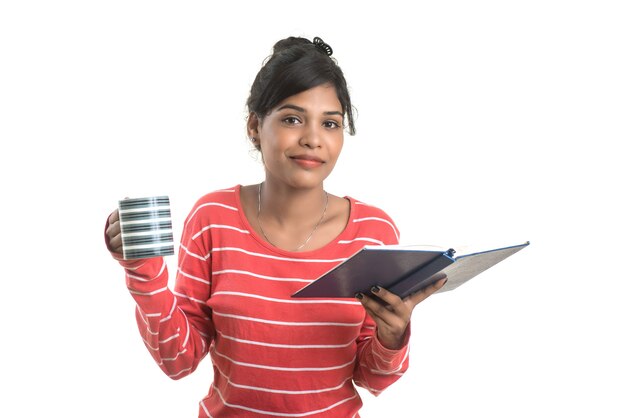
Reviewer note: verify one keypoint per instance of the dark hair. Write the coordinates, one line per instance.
(297, 65)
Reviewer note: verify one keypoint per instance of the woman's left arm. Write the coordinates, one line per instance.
(382, 349)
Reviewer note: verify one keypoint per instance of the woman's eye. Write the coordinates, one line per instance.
(291, 120)
(331, 124)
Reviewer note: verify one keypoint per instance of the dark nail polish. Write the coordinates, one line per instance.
(375, 289)
(359, 296)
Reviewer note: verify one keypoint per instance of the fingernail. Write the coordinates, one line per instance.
(359, 296)
(375, 289)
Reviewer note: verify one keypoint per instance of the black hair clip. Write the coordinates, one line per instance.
(322, 46)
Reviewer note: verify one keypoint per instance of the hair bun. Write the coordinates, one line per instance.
(290, 42)
(295, 42)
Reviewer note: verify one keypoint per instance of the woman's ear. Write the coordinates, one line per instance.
(253, 126)
(253, 130)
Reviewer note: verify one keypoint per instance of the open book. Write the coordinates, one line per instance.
(403, 270)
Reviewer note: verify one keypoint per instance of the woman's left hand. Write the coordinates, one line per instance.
(393, 318)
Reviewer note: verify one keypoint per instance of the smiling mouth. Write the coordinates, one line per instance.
(307, 158)
(307, 161)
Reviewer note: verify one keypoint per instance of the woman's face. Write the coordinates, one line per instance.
(301, 138)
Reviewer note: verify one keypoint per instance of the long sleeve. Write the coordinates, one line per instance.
(377, 367)
(175, 325)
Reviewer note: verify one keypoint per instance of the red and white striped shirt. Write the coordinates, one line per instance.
(272, 355)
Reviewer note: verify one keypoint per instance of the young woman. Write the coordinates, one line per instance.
(246, 249)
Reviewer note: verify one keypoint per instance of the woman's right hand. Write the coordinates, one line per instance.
(113, 234)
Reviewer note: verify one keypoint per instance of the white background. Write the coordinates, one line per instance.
(481, 121)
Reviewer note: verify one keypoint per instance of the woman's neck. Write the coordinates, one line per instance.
(287, 205)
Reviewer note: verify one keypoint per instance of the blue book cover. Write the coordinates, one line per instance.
(403, 270)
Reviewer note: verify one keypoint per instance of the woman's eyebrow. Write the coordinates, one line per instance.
(294, 107)
(303, 110)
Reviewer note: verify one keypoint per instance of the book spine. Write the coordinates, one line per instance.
(421, 278)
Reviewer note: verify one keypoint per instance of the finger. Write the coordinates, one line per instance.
(423, 294)
(393, 301)
(378, 311)
(115, 244)
(114, 217)
(113, 233)
(114, 227)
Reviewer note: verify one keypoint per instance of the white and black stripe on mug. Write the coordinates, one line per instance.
(146, 227)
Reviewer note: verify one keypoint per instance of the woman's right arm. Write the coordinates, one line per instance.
(175, 325)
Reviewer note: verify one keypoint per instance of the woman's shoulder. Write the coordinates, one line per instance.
(366, 209)
(223, 196)
(220, 200)
(371, 219)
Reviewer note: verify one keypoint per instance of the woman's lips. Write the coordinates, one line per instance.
(307, 161)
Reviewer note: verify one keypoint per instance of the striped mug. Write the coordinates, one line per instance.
(146, 227)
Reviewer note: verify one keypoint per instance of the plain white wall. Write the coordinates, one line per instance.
(481, 121)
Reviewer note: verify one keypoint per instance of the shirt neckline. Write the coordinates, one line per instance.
(345, 234)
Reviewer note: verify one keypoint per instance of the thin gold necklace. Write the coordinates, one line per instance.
(306, 241)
